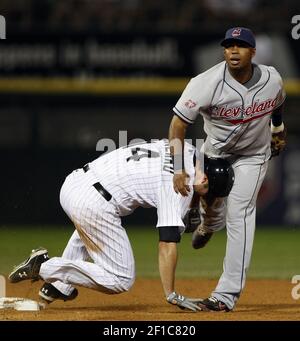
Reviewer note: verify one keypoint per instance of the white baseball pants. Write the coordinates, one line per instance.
(99, 236)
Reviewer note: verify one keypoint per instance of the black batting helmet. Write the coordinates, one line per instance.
(220, 176)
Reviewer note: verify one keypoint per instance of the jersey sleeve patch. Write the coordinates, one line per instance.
(182, 116)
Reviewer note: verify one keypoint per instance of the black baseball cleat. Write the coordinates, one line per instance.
(30, 268)
(49, 293)
(200, 237)
(212, 303)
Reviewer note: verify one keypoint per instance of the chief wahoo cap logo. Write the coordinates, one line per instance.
(236, 32)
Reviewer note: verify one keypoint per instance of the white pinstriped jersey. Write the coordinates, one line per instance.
(236, 118)
(142, 175)
(137, 175)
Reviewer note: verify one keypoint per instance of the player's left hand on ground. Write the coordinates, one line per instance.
(192, 220)
(278, 142)
(183, 302)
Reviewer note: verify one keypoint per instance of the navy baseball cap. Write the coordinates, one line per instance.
(239, 34)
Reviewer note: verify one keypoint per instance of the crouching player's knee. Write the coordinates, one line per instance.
(122, 284)
(127, 283)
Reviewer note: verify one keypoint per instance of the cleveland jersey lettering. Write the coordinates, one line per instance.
(231, 110)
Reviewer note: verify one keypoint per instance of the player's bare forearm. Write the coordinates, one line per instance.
(177, 131)
(167, 260)
(200, 184)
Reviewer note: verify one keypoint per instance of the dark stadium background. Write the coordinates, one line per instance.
(73, 72)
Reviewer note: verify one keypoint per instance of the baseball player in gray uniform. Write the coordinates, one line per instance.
(241, 105)
(95, 198)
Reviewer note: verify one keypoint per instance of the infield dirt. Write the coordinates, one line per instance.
(262, 300)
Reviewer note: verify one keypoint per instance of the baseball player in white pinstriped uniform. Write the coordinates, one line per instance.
(95, 198)
(237, 101)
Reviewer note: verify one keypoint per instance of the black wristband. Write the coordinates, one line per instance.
(178, 162)
(169, 234)
(277, 116)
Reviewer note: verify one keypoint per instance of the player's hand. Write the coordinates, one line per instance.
(183, 302)
(201, 184)
(180, 183)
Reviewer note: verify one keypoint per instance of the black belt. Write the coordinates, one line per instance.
(106, 195)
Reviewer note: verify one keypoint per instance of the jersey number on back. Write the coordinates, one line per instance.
(139, 153)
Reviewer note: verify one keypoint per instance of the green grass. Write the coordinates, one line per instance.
(17, 242)
(276, 252)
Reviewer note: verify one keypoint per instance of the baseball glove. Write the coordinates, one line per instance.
(192, 220)
(278, 142)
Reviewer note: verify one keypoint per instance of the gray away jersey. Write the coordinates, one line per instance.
(236, 119)
(142, 175)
